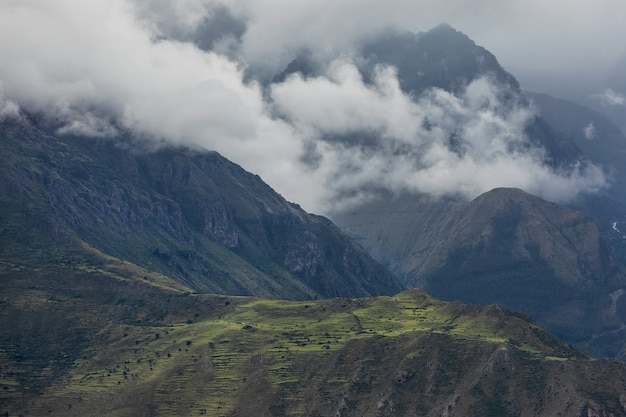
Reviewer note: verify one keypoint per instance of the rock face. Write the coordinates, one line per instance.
(189, 214)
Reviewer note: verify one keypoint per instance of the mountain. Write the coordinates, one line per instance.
(441, 57)
(447, 59)
(534, 256)
(615, 85)
(597, 136)
(484, 251)
(112, 339)
(505, 247)
(188, 214)
(604, 144)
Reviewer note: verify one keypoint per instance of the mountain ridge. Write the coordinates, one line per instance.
(192, 215)
(505, 247)
(107, 255)
(170, 352)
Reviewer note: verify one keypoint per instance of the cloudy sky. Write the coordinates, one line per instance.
(191, 71)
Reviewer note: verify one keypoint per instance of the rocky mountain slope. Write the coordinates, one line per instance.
(602, 141)
(189, 214)
(112, 339)
(506, 247)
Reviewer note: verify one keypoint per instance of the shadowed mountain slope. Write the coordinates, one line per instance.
(191, 215)
(604, 144)
(506, 247)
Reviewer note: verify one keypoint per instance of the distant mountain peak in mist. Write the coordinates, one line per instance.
(440, 57)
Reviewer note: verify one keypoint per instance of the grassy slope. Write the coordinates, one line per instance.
(103, 337)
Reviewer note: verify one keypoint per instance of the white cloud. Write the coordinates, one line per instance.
(98, 65)
(590, 131)
(611, 98)
(8, 108)
(341, 103)
(439, 144)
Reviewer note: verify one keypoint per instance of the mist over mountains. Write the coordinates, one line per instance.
(381, 114)
(141, 142)
(175, 81)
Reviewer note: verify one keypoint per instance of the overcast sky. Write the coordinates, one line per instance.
(531, 38)
(526, 35)
(98, 65)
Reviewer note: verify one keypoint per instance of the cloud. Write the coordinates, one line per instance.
(524, 34)
(8, 109)
(590, 131)
(341, 102)
(372, 136)
(88, 63)
(95, 67)
(610, 98)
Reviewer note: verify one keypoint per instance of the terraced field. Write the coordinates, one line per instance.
(111, 340)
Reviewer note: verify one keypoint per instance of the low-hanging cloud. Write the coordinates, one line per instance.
(589, 131)
(326, 142)
(524, 34)
(8, 109)
(438, 143)
(610, 97)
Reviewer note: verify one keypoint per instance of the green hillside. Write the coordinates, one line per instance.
(105, 338)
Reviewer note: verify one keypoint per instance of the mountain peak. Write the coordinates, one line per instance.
(443, 27)
(442, 57)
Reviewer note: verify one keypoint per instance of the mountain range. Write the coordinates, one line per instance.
(146, 279)
(507, 246)
(110, 339)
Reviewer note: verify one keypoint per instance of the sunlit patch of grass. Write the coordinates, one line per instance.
(120, 269)
(204, 367)
(555, 358)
